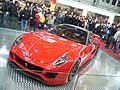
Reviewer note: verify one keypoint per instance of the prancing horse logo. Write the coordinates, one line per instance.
(26, 64)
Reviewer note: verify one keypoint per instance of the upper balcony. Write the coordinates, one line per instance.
(101, 4)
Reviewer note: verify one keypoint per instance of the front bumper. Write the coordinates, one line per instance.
(45, 76)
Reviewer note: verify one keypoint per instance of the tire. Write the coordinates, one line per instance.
(9, 66)
(73, 71)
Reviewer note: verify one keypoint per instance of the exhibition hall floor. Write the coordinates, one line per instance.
(102, 73)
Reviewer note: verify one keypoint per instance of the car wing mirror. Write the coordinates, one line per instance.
(95, 43)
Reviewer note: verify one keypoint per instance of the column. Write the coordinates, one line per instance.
(110, 2)
(84, 13)
(111, 19)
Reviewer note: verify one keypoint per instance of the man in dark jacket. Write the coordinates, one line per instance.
(25, 15)
(91, 25)
(111, 33)
(66, 18)
(13, 13)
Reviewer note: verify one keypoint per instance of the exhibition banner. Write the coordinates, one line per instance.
(53, 5)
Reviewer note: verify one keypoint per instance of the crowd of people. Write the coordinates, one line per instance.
(26, 13)
(34, 16)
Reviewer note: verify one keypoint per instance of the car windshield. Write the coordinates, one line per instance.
(71, 33)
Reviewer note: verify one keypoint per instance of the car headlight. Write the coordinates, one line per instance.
(17, 41)
(61, 60)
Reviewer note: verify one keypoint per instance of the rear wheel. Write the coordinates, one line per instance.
(73, 71)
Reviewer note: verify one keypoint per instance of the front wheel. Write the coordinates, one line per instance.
(73, 71)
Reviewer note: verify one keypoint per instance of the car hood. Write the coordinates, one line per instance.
(44, 47)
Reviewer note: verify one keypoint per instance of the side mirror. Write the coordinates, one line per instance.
(95, 43)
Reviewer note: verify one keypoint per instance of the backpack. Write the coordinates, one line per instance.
(42, 18)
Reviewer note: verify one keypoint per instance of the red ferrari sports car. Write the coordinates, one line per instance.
(54, 56)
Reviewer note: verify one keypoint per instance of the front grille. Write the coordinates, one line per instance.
(13, 66)
(28, 65)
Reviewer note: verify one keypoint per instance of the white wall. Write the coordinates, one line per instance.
(89, 8)
(100, 4)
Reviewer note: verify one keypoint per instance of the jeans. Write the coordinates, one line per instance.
(117, 46)
(113, 44)
(1, 19)
(37, 26)
(13, 22)
(24, 24)
(42, 25)
(6, 16)
(108, 42)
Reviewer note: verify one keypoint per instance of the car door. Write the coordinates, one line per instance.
(88, 51)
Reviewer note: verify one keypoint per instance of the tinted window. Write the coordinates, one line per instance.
(71, 33)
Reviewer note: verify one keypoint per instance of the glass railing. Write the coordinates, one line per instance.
(15, 79)
(6, 22)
